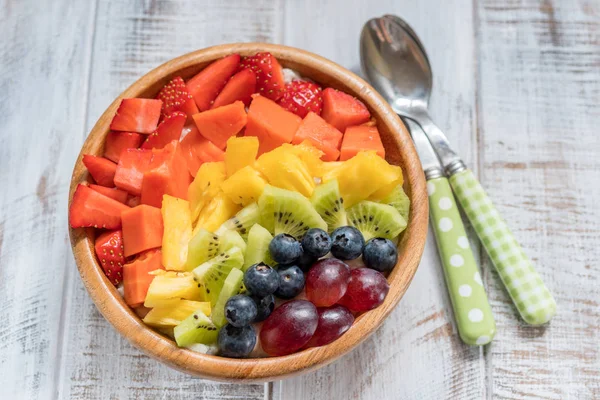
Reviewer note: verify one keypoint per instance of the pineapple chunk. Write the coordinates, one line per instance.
(205, 186)
(167, 317)
(177, 232)
(363, 175)
(309, 154)
(168, 287)
(245, 186)
(219, 210)
(241, 151)
(385, 191)
(286, 170)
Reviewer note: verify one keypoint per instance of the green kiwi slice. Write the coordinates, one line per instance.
(258, 247)
(399, 200)
(376, 220)
(231, 287)
(212, 273)
(242, 221)
(231, 239)
(202, 247)
(328, 202)
(197, 328)
(284, 211)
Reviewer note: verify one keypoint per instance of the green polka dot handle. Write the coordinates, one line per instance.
(474, 319)
(527, 290)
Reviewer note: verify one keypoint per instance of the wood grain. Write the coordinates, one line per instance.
(539, 102)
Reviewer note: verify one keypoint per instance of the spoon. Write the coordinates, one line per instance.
(395, 62)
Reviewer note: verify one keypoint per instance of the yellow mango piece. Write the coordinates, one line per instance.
(205, 186)
(362, 175)
(168, 317)
(245, 186)
(168, 287)
(286, 170)
(240, 152)
(177, 222)
(219, 210)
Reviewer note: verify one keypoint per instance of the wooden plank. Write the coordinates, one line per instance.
(417, 352)
(45, 51)
(131, 38)
(539, 112)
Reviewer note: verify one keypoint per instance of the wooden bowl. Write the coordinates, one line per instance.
(400, 151)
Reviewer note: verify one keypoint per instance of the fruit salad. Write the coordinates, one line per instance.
(245, 213)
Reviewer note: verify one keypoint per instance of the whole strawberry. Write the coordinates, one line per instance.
(109, 250)
(300, 97)
(269, 74)
(175, 97)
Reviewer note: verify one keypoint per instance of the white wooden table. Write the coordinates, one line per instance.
(516, 88)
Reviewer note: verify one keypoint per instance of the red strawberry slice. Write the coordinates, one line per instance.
(300, 97)
(168, 130)
(137, 115)
(117, 141)
(114, 193)
(109, 250)
(101, 169)
(92, 209)
(269, 74)
(176, 97)
(342, 110)
(240, 87)
(207, 84)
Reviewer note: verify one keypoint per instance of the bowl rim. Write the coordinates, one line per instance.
(111, 304)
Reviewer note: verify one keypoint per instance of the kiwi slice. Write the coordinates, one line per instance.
(202, 247)
(284, 211)
(258, 247)
(231, 287)
(196, 328)
(213, 272)
(242, 221)
(399, 200)
(231, 239)
(376, 220)
(328, 202)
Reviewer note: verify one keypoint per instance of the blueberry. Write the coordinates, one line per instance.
(291, 282)
(236, 342)
(261, 280)
(265, 306)
(380, 254)
(240, 310)
(348, 243)
(316, 242)
(305, 261)
(285, 249)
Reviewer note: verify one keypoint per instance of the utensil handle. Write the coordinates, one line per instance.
(525, 286)
(472, 311)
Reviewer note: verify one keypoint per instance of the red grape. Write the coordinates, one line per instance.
(289, 327)
(327, 281)
(367, 289)
(333, 323)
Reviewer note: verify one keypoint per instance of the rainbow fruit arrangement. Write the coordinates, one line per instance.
(236, 198)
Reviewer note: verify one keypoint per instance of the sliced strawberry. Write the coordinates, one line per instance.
(300, 97)
(168, 130)
(117, 141)
(92, 209)
(109, 250)
(137, 115)
(269, 74)
(206, 85)
(176, 97)
(342, 110)
(240, 87)
(113, 193)
(101, 169)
